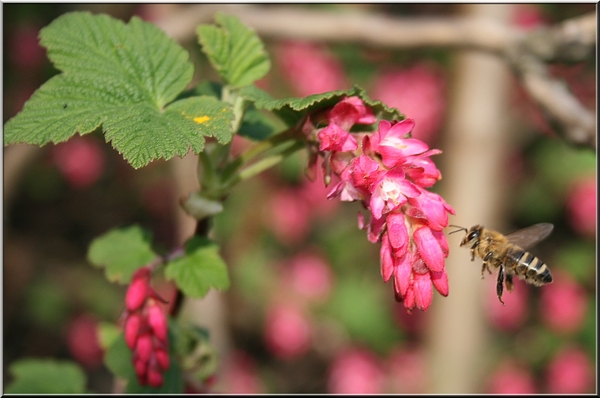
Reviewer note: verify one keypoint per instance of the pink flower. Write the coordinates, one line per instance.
(418, 92)
(146, 330)
(511, 316)
(288, 333)
(581, 207)
(310, 276)
(511, 378)
(570, 372)
(289, 216)
(355, 371)
(389, 174)
(82, 341)
(240, 375)
(25, 50)
(407, 371)
(80, 160)
(563, 304)
(309, 68)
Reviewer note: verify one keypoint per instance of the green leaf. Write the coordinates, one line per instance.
(234, 50)
(122, 251)
(46, 376)
(121, 77)
(108, 334)
(292, 109)
(200, 269)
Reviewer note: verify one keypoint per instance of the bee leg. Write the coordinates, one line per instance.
(499, 288)
(508, 281)
(484, 267)
(473, 250)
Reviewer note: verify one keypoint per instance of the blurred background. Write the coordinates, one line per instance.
(307, 310)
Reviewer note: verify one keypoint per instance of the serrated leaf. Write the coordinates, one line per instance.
(46, 376)
(234, 50)
(118, 76)
(292, 109)
(121, 251)
(200, 269)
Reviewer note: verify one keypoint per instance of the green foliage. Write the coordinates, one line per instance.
(120, 77)
(234, 50)
(291, 110)
(122, 251)
(200, 269)
(46, 376)
(357, 303)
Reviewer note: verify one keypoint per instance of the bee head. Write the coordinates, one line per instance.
(472, 233)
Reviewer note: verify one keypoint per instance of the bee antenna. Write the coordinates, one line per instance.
(458, 230)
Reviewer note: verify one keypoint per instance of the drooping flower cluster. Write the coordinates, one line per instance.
(146, 330)
(389, 173)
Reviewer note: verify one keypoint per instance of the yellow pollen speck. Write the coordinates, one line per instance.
(201, 119)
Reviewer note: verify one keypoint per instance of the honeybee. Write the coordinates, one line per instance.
(507, 253)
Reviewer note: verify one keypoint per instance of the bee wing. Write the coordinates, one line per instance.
(529, 236)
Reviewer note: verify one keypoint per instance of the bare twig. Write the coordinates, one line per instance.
(570, 41)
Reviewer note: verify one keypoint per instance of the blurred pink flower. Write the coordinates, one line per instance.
(563, 304)
(309, 68)
(288, 215)
(288, 333)
(83, 343)
(310, 276)
(239, 375)
(412, 323)
(528, 16)
(80, 160)
(355, 371)
(25, 51)
(511, 378)
(570, 372)
(513, 314)
(581, 206)
(407, 371)
(418, 92)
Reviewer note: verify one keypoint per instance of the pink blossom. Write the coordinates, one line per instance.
(310, 276)
(289, 216)
(80, 160)
(287, 333)
(570, 372)
(581, 207)
(389, 174)
(25, 51)
(418, 92)
(563, 304)
(511, 316)
(146, 329)
(511, 378)
(240, 375)
(309, 68)
(355, 371)
(407, 371)
(528, 16)
(83, 343)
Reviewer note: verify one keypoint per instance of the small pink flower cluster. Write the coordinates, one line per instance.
(389, 174)
(146, 330)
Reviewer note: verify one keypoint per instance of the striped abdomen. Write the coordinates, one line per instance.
(530, 268)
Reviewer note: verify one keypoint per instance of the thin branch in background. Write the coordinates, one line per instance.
(528, 53)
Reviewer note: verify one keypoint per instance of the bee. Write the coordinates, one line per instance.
(508, 255)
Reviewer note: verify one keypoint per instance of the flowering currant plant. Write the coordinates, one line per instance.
(132, 82)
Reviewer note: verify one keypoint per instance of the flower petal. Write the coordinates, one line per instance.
(387, 262)
(429, 248)
(423, 290)
(440, 281)
(402, 271)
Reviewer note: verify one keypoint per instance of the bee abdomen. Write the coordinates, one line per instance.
(531, 268)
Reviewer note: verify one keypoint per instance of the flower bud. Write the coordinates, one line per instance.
(140, 367)
(132, 328)
(158, 322)
(155, 378)
(162, 357)
(144, 347)
(136, 294)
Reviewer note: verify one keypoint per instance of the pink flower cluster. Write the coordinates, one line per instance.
(389, 173)
(146, 330)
